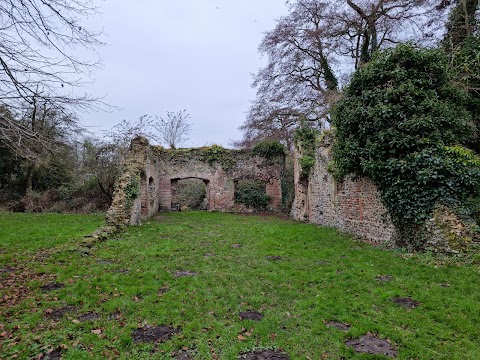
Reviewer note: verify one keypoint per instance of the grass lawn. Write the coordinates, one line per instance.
(196, 272)
(22, 234)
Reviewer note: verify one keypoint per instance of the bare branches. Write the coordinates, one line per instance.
(365, 26)
(38, 40)
(39, 45)
(298, 79)
(174, 128)
(38, 130)
(320, 41)
(462, 23)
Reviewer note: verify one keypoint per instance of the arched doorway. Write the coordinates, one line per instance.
(190, 193)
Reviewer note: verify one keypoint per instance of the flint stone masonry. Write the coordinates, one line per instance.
(352, 206)
(151, 173)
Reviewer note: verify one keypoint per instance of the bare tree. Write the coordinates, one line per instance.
(298, 80)
(39, 45)
(266, 122)
(53, 130)
(317, 43)
(103, 159)
(365, 26)
(122, 134)
(174, 128)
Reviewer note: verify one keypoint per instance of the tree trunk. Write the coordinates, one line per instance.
(30, 170)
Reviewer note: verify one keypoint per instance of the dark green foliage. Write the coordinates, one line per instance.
(465, 68)
(331, 80)
(269, 149)
(411, 187)
(56, 173)
(304, 139)
(398, 124)
(52, 174)
(252, 194)
(10, 166)
(471, 208)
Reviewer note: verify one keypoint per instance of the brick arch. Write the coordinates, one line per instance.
(173, 188)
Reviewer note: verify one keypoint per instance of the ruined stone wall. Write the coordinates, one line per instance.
(151, 174)
(353, 206)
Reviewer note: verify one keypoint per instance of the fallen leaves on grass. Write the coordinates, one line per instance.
(15, 287)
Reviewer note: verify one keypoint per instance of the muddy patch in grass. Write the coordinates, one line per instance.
(264, 355)
(54, 354)
(236, 246)
(115, 316)
(370, 344)
(162, 291)
(251, 315)
(338, 325)
(105, 262)
(183, 355)
(153, 334)
(185, 273)
(52, 286)
(384, 278)
(57, 314)
(405, 302)
(90, 316)
(83, 252)
(274, 258)
(7, 270)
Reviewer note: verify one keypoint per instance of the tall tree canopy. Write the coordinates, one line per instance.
(319, 43)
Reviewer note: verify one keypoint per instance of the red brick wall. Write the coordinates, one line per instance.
(157, 171)
(353, 206)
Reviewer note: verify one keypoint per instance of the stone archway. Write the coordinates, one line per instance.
(178, 201)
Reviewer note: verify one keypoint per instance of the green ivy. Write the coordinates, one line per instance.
(216, 153)
(132, 191)
(269, 149)
(252, 194)
(307, 162)
(401, 123)
(305, 139)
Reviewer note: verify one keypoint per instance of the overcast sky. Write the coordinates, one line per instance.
(170, 55)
